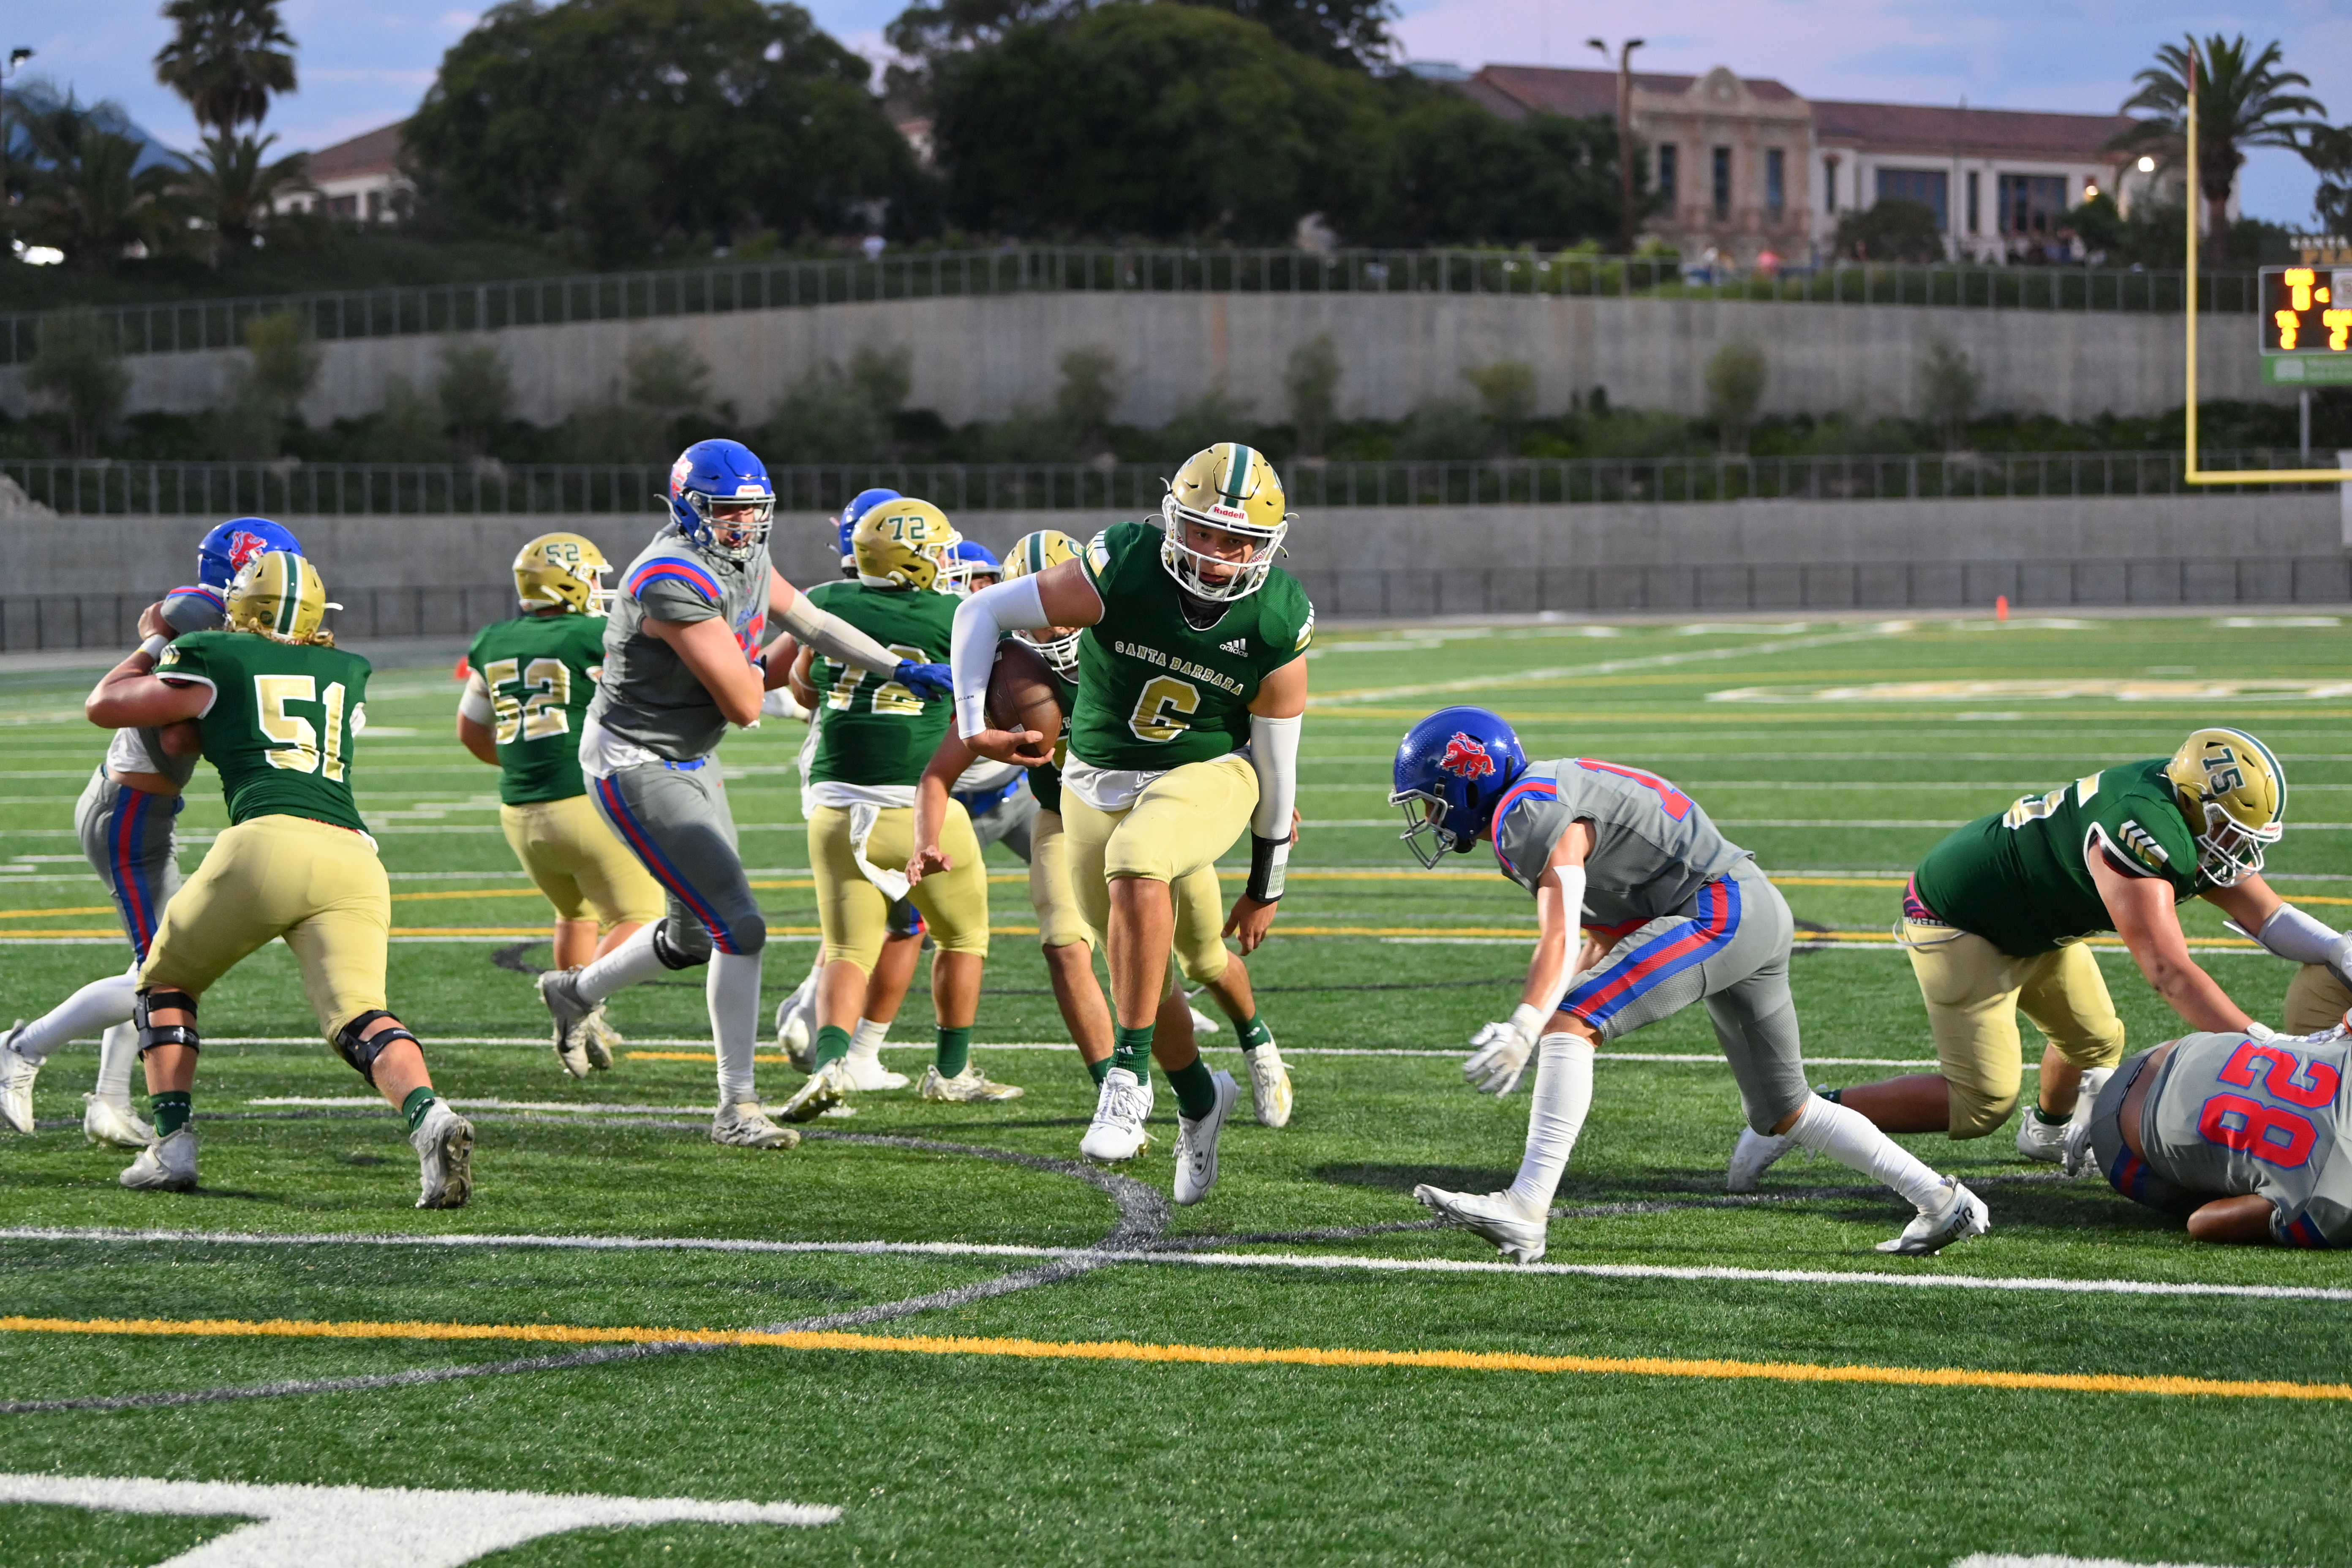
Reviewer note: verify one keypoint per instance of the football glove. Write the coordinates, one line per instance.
(1499, 1055)
(928, 681)
(2076, 1158)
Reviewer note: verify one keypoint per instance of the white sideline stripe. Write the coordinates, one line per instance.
(1700, 1059)
(1329, 1261)
(2044, 1560)
(1606, 667)
(379, 1527)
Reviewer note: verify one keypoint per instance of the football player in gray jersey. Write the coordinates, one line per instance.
(1672, 914)
(683, 661)
(2250, 1139)
(126, 820)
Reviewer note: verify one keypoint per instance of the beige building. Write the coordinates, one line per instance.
(358, 180)
(1746, 166)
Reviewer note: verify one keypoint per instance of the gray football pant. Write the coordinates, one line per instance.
(2134, 1177)
(1728, 946)
(675, 819)
(128, 836)
(1009, 823)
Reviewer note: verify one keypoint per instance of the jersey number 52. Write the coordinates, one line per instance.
(539, 709)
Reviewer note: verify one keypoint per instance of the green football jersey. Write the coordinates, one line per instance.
(1154, 691)
(541, 671)
(279, 726)
(2019, 878)
(869, 728)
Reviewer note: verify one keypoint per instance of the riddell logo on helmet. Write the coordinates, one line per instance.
(1228, 513)
(243, 548)
(1466, 758)
(753, 489)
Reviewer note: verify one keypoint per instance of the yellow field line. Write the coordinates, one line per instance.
(1210, 1355)
(81, 909)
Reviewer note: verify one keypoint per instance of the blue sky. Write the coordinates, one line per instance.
(365, 64)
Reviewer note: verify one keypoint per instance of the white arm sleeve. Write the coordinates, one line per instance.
(2300, 938)
(1274, 754)
(836, 638)
(1532, 1015)
(979, 622)
(475, 703)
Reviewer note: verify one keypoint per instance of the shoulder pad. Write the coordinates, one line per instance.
(673, 568)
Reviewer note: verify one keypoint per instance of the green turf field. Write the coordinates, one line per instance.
(968, 1387)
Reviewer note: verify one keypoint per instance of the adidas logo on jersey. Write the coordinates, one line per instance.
(1239, 645)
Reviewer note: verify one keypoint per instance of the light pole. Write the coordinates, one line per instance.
(1625, 132)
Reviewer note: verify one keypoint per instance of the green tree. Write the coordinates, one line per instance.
(1949, 384)
(1734, 386)
(1338, 32)
(1445, 168)
(1312, 380)
(1893, 230)
(232, 188)
(226, 57)
(2329, 153)
(1507, 399)
(1086, 395)
(2243, 99)
(476, 394)
(83, 190)
(78, 369)
(409, 429)
(632, 124)
(1216, 416)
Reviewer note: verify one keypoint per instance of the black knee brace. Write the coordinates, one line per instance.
(362, 1054)
(151, 1036)
(681, 944)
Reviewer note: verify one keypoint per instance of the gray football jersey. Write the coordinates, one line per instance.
(2233, 1115)
(1652, 846)
(191, 608)
(647, 695)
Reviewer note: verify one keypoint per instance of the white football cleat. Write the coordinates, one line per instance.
(865, 1074)
(2039, 1140)
(1269, 1085)
(796, 1026)
(598, 1039)
(571, 1012)
(443, 1143)
(1519, 1235)
(2086, 1098)
(1960, 1215)
(103, 1121)
(1121, 1106)
(969, 1086)
(16, 1075)
(169, 1166)
(827, 1088)
(1196, 1142)
(1202, 1023)
(1752, 1156)
(747, 1126)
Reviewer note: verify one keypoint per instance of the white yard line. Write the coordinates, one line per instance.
(1606, 667)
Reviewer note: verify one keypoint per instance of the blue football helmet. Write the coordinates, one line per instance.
(973, 559)
(722, 473)
(1452, 770)
(859, 505)
(226, 549)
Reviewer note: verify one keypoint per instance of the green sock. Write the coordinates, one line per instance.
(832, 1044)
(2051, 1118)
(1131, 1049)
(418, 1102)
(955, 1051)
(1254, 1034)
(1196, 1090)
(170, 1111)
(1098, 1070)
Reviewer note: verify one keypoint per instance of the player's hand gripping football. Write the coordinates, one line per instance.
(1022, 748)
(1499, 1055)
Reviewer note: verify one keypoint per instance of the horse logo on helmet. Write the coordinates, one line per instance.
(1466, 758)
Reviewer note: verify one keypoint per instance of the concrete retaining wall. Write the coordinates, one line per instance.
(977, 358)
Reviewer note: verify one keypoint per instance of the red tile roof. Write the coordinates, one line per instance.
(1517, 90)
(1991, 133)
(376, 152)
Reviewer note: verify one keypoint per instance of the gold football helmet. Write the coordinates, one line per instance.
(562, 569)
(2234, 791)
(904, 544)
(1032, 553)
(1232, 488)
(279, 596)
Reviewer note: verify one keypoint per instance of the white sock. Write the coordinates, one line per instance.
(96, 1006)
(1850, 1137)
(866, 1040)
(116, 1050)
(733, 991)
(1563, 1094)
(632, 963)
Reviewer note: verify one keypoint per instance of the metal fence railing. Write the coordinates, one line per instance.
(110, 620)
(320, 490)
(722, 287)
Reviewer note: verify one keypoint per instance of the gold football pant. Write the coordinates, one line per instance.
(1061, 919)
(1173, 832)
(575, 859)
(853, 913)
(319, 887)
(1974, 993)
(2315, 1000)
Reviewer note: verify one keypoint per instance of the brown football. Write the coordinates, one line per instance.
(1023, 694)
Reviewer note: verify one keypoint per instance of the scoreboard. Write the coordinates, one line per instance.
(2305, 326)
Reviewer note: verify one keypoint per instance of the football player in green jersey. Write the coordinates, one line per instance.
(526, 699)
(1192, 684)
(279, 707)
(1995, 916)
(873, 738)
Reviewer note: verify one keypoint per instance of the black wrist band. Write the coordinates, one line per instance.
(1267, 866)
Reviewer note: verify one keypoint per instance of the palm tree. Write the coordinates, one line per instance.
(2329, 153)
(233, 187)
(2243, 100)
(227, 60)
(84, 192)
